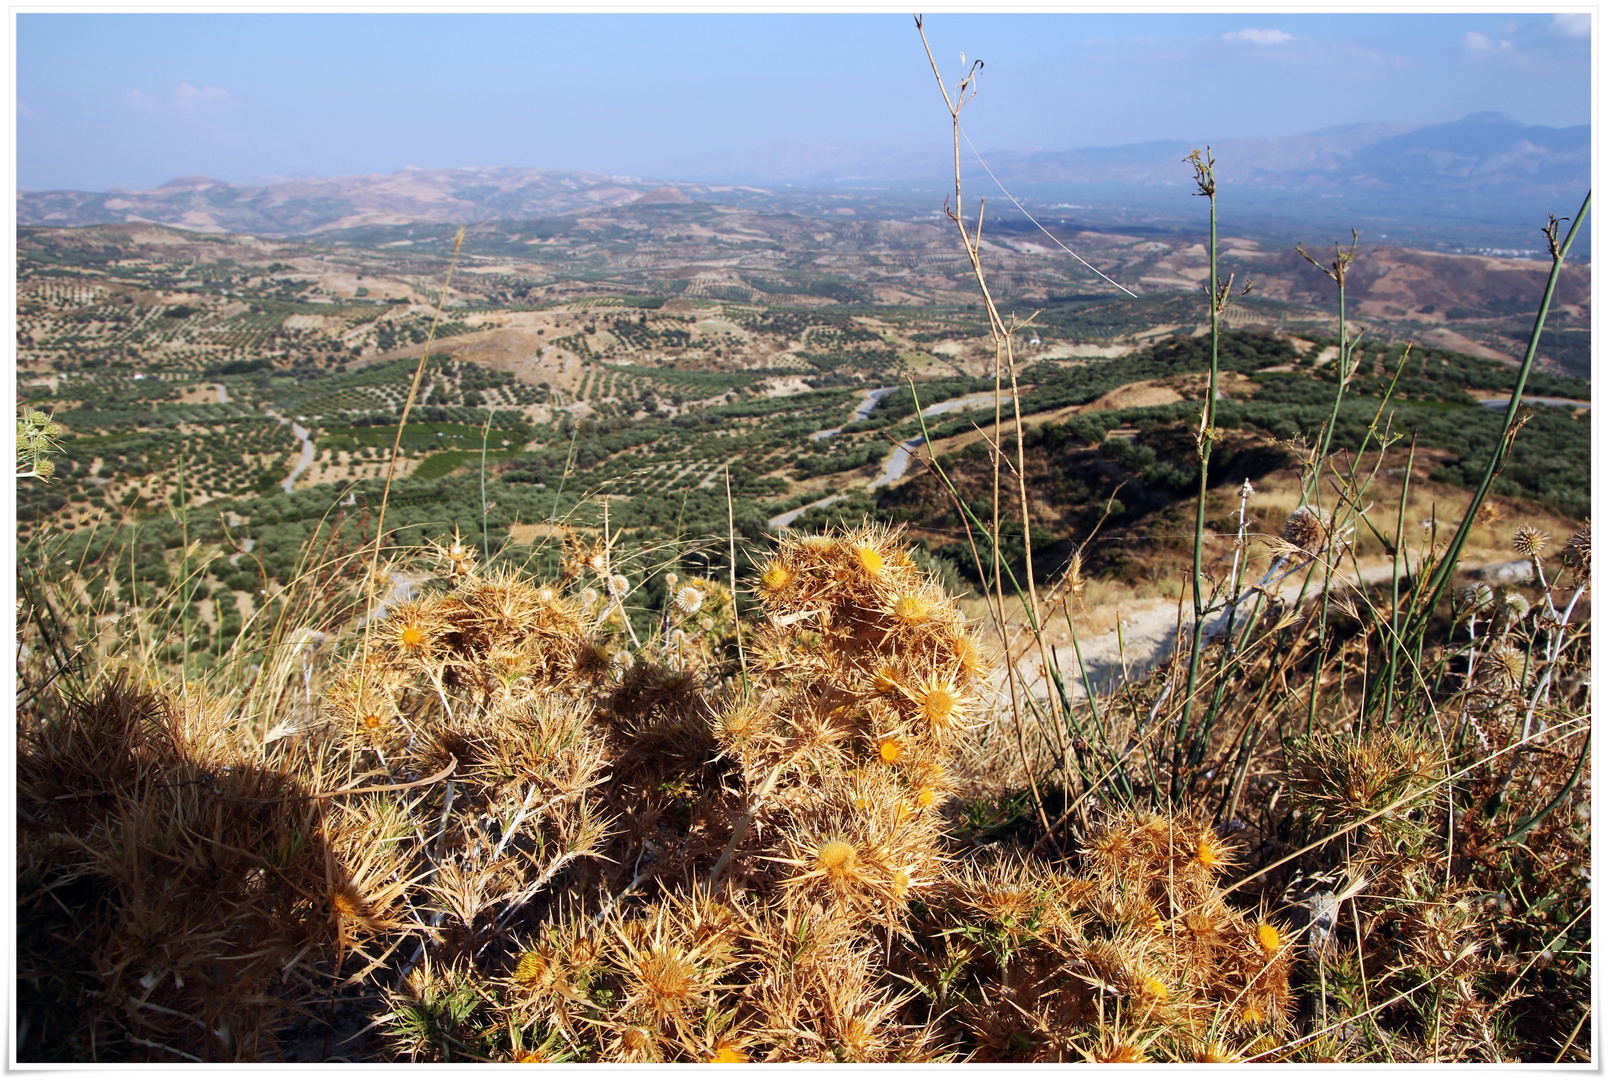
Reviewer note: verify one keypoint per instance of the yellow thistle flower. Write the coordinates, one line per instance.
(1211, 851)
(889, 750)
(837, 860)
(939, 704)
(1267, 936)
(968, 655)
(911, 610)
(1154, 989)
(870, 559)
(530, 970)
(347, 901)
(726, 1053)
(924, 798)
(776, 577)
(1121, 1053)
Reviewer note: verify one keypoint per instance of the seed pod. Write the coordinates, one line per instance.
(1304, 529)
(1503, 665)
(1514, 608)
(1577, 552)
(1529, 540)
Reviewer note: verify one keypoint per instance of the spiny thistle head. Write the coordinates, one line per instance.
(688, 600)
(939, 703)
(890, 750)
(1304, 529)
(1475, 597)
(1212, 852)
(775, 578)
(1154, 990)
(1344, 779)
(346, 901)
(1504, 665)
(1529, 540)
(869, 559)
(531, 968)
(837, 859)
(413, 628)
(1577, 552)
(458, 556)
(969, 662)
(636, 1042)
(885, 679)
(739, 725)
(1120, 1052)
(1514, 607)
(911, 609)
(726, 1053)
(667, 978)
(36, 440)
(817, 544)
(1268, 938)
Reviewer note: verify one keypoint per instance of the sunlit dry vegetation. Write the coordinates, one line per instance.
(416, 792)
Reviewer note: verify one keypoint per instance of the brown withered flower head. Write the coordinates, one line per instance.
(1304, 529)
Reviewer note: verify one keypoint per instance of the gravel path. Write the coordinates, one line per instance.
(307, 454)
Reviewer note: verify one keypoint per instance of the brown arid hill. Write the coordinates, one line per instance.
(664, 195)
(1418, 286)
(202, 204)
(1477, 304)
(713, 252)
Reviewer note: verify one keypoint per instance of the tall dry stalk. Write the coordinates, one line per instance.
(1002, 334)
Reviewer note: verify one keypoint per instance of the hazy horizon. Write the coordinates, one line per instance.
(134, 101)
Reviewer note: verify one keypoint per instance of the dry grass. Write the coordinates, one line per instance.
(537, 839)
(856, 823)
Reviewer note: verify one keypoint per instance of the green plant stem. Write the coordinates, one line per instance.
(1395, 586)
(1441, 576)
(1208, 417)
(485, 539)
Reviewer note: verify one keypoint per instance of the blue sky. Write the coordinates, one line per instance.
(133, 100)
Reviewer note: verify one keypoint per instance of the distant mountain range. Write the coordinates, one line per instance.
(1485, 152)
(293, 207)
(1486, 164)
(1480, 151)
